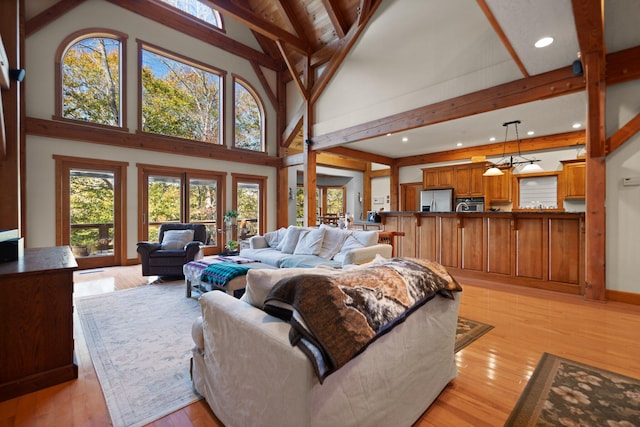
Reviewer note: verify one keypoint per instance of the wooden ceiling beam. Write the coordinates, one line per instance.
(623, 134)
(335, 161)
(292, 71)
(285, 8)
(265, 84)
(336, 17)
(623, 66)
(345, 45)
(364, 9)
(503, 37)
(294, 127)
(542, 86)
(529, 145)
(157, 13)
(361, 155)
(256, 23)
(49, 15)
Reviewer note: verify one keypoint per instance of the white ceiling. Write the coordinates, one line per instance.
(523, 22)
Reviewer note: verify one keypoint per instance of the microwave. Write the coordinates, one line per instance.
(470, 204)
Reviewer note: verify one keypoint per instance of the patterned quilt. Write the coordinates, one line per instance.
(334, 318)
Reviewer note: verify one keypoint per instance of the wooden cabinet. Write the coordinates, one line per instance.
(468, 180)
(36, 314)
(574, 178)
(498, 188)
(471, 239)
(441, 177)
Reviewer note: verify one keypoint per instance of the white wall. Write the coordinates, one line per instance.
(40, 49)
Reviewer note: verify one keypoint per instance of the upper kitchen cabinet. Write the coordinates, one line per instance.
(498, 188)
(468, 180)
(574, 178)
(441, 177)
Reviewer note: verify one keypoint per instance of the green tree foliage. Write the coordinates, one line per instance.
(335, 200)
(91, 81)
(248, 120)
(91, 203)
(179, 100)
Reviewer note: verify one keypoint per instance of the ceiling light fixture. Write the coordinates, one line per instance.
(405, 139)
(496, 169)
(543, 42)
(576, 125)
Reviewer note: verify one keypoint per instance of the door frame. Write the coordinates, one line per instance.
(63, 166)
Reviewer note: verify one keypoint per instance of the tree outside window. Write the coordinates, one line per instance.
(248, 119)
(91, 81)
(179, 99)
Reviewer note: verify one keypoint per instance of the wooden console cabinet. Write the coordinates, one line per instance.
(36, 314)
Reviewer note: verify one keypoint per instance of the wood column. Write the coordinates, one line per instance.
(11, 161)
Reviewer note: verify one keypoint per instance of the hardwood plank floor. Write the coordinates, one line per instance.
(492, 372)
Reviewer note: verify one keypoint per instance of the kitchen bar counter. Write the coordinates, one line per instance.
(537, 248)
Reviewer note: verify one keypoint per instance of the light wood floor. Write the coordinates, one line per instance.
(492, 372)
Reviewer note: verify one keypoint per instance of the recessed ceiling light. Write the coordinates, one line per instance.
(405, 139)
(493, 138)
(459, 144)
(544, 42)
(576, 125)
(388, 134)
(530, 132)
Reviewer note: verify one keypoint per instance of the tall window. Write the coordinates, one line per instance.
(250, 202)
(90, 78)
(179, 98)
(197, 9)
(248, 118)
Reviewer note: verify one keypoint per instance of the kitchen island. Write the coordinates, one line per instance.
(542, 249)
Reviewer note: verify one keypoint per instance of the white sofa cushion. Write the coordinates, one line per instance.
(273, 238)
(332, 242)
(176, 239)
(310, 242)
(349, 244)
(288, 244)
(367, 238)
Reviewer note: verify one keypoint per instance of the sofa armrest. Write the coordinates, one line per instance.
(248, 355)
(148, 247)
(367, 254)
(192, 249)
(258, 242)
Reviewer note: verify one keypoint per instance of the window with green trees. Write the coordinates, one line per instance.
(248, 118)
(91, 76)
(179, 99)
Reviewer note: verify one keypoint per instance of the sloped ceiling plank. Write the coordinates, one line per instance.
(153, 11)
(345, 45)
(623, 134)
(258, 24)
(337, 20)
(288, 12)
(49, 15)
(542, 86)
(494, 23)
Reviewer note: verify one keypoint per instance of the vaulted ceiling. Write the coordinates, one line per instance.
(476, 54)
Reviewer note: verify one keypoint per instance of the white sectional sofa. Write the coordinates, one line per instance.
(313, 247)
(250, 375)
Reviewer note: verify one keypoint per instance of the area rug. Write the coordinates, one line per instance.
(468, 331)
(568, 393)
(140, 343)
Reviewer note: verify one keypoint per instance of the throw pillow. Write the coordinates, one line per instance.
(176, 239)
(349, 244)
(274, 237)
(260, 281)
(290, 241)
(367, 238)
(332, 241)
(310, 242)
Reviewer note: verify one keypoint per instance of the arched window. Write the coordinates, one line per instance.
(89, 83)
(248, 117)
(198, 10)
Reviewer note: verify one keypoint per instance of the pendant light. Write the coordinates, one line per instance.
(530, 164)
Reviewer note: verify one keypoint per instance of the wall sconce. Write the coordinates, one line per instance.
(359, 198)
(290, 193)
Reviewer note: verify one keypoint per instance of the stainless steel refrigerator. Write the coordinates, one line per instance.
(437, 200)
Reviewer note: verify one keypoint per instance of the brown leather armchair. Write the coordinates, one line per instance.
(159, 261)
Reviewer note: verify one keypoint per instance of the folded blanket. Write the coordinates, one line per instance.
(334, 318)
(220, 273)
